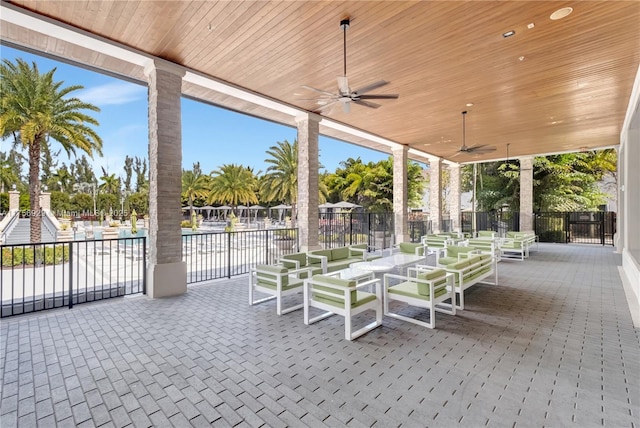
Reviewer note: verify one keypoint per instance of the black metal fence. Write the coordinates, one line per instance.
(41, 276)
(225, 254)
(498, 221)
(592, 227)
(597, 227)
(340, 229)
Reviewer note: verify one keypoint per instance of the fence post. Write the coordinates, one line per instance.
(567, 231)
(70, 273)
(144, 265)
(266, 246)
(228, 254)
(350, 228)
(601, 214)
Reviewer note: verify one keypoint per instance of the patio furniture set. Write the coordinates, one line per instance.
(350, 280)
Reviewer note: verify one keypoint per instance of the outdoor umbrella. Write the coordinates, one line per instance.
(345, 204)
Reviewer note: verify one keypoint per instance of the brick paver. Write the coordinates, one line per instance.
(552, 345)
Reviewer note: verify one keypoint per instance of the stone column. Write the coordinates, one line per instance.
(14, 200)
(526, 193)
(167, 273)
(435, 194)
(45, 201)
(308, 186)
(400, 194)
(454, 197)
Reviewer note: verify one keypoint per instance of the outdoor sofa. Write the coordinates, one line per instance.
(333, 259)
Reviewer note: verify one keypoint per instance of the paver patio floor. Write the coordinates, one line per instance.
(553, 345)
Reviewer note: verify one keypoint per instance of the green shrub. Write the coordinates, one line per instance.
(185, 223)
(29, 256)
(553, 236)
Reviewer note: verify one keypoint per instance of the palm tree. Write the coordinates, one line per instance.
(194, 185)
(233, 185)
(110, 183)
(280, 182)
(35, 108)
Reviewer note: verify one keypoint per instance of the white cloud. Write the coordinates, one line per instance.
(113, 94)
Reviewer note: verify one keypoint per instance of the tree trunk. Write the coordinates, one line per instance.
(35, 216)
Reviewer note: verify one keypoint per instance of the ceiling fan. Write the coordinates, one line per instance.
(477, 148)
(345, 95)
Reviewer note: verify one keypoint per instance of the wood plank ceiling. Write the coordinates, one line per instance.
(562, 85)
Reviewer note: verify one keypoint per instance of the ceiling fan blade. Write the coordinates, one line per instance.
(475, 147)
(311, 88)
(343, 85)
(366, 103)
(378, 97)
(326, 108)
(370, 87)
(484, 150)
(346, 106)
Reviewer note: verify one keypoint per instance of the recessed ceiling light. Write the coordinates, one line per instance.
(469, 104)
(561, 13)
(531, 25)
(508, 33)
(521, 58)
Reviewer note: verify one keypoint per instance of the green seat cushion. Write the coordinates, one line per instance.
(286, 283)
(412, 289)
(340, 253)
(361, 297)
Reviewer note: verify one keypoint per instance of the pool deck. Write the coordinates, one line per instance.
(552, 345)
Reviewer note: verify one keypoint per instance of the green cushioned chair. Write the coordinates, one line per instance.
(277, 282)
(336, 296)
(425, 287)
(470, 270)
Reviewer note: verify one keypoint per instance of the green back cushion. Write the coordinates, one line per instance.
(438, 275)
(454, 250)
(268, 275)
(296, 257)
(340, 253)
(459, 265)
(487, 233)
(326, 253)
(360, 246)
(410, 247)
(335, 295)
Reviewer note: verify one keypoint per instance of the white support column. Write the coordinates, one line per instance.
(308, 185)
(14, 200)
(400, 194)
(454, 197)
(526, 193)
(167, 273)
(435, 194)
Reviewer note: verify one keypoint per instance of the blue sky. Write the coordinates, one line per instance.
(213, 136)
